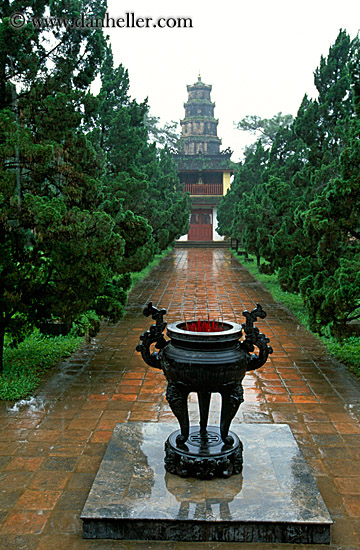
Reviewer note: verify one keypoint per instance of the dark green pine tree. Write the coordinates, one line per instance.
(141, 176)
(331, 289)
(307, 159)
(168, 207)
(306, 206)
(247, 221)
(231, 212)
(244, 212)
(249, 214)
(119, 135)
(58, 249)
(22, 52)
(281, 196)
(333, 82)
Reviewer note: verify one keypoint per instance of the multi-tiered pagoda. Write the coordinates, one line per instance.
(203, 169)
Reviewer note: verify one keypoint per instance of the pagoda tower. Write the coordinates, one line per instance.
(203, 169)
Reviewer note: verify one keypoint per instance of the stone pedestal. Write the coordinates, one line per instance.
(203, 456)
(275, 499)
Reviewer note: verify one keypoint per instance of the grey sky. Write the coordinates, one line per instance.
(259, 55)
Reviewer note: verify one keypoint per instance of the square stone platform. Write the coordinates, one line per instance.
(275, 499)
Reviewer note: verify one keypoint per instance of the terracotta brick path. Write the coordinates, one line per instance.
(51, 446)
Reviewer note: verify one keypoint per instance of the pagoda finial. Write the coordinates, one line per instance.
(199, 77)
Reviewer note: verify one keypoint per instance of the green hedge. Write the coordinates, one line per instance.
(347, 351)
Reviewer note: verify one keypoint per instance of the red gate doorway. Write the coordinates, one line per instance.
(201, 226)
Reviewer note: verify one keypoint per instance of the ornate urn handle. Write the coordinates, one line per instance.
(255, 338)
(153, 335)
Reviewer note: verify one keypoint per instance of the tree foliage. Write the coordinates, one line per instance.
(85, 196)
(167, 135)
(264, 128)
(301, 214)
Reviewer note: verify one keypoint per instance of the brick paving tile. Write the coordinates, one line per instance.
(37, 500)
(49, 481)
(24, 522)
(24, 463)
(51, 445)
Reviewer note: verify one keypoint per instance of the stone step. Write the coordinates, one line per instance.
(202, 244)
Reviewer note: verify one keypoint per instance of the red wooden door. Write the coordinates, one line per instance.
(200, 225)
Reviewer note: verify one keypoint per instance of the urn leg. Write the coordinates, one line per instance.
(232, 397)
(204, 404)
(176, 395)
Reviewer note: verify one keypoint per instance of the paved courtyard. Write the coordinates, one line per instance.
(51, 445)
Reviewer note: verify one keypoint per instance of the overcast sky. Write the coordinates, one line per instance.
(259, 55)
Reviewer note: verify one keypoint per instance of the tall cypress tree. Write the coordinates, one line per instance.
(231, 211)
(331, 290)
(141, 176)
(57, 249)
(306, 205)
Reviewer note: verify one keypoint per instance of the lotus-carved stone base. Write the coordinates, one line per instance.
(203, 456)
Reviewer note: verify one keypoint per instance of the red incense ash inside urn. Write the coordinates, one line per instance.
(203, 326)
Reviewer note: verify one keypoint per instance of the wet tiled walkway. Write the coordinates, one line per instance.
(51, 446)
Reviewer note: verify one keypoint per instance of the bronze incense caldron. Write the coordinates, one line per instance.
(204, 362)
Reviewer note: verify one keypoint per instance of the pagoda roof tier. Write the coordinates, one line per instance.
(202, 163)
(201, 137)
(199, 101)
(199, 85)
(199, 118)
